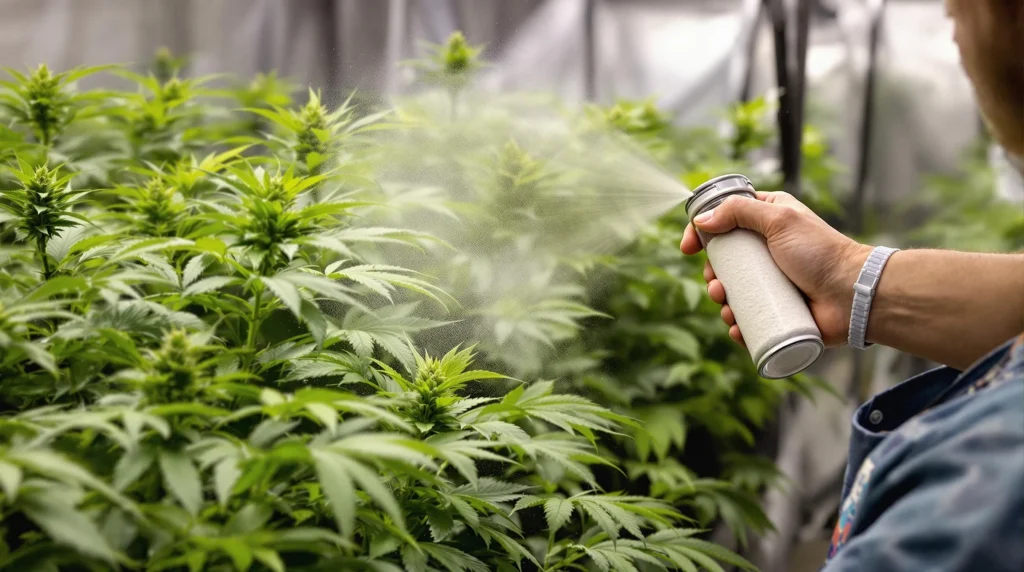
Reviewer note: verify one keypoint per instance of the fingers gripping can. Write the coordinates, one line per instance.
(770, 311)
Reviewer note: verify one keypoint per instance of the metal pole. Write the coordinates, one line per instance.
(264, 62)
(332, 41)
(397, 29)
(867, 119)
(803, 32)
(782, 76)
(751, 47)
(589, 49)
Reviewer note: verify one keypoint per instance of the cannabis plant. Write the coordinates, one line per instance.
(166, 65)
(212, 362)
(667, 361)
(44, 103)
(631, 330)
(264, 91)
(41, 208)
(452, 65)
(44, 118)
(161, 121)
(642, 121)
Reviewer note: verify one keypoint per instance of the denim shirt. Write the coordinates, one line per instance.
(935, 475)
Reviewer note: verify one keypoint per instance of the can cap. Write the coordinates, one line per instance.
(790, 357)
(715, 190)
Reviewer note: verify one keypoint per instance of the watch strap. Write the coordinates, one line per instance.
(864, 292)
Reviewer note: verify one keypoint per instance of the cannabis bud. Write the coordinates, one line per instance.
(173, 92)
(520, 182)
(275, 191)
(314, 133)
(42, 206)
(270, 226)
(452, 63)
(160, 207)
(265, 89)
(430, 410)
(176, 369)
(166, 66)
(45, 202)
(42, 102)
(458, 54)
(637, 118)
(642, 122)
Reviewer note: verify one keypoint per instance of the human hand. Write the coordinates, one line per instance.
(819, 260)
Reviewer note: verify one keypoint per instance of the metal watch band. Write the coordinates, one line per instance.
(864, 292)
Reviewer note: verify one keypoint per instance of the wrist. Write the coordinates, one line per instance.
(865, 290)
(848, 269)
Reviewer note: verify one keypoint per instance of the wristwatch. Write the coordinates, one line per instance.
(864, 292)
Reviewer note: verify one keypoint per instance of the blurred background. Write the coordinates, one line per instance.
(880, 79)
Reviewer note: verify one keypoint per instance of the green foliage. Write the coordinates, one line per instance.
(451, 64)
(641, 121)
(45, 103)
(633, 329)
(312, 135)
(963, 211)
(264, 91)
(161, 122)
(666, 359)
(213, 361)
(166, 65)
(41, 208)
(751, 131)
(818, 173)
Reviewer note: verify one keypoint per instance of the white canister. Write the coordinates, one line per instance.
(770, 311)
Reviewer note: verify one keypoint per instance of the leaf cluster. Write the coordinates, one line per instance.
(210, 361)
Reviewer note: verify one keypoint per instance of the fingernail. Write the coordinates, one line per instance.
(704, 217)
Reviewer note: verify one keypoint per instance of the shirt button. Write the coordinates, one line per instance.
(875, 417)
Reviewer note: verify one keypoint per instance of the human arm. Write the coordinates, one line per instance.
(949, 307)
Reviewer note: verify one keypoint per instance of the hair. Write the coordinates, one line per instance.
(991, 38)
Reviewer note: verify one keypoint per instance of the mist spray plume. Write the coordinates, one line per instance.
(525, 157)
(523, 194)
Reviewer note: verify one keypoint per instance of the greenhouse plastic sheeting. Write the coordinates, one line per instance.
(688, 54)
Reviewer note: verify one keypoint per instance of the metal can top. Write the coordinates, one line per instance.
(713, 189)
(790, 357)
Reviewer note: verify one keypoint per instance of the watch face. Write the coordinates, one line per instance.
(868, 279)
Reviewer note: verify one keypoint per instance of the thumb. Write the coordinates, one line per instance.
(734, 212)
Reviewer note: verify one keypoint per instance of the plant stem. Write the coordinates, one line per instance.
(41, 250)
(551, 544)
(254, 326)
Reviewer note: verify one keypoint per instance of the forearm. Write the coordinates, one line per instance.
(949, 307)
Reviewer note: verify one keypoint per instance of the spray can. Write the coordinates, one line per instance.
(770, 311)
